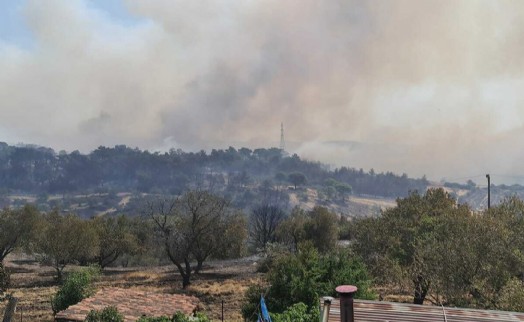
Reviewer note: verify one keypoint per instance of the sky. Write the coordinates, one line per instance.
(431, 87)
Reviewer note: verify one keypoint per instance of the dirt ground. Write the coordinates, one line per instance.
(220, 281)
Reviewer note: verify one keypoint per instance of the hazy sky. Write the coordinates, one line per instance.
(423, 87)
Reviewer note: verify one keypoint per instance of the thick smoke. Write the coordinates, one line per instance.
(423, 87)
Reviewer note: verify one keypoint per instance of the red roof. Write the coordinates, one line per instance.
(131, 303)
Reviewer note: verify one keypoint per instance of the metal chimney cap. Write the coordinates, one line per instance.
(327, 299)
(346, 289)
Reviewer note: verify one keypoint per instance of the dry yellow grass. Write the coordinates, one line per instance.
(227, 281)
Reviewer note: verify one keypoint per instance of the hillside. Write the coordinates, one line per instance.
(118, 179)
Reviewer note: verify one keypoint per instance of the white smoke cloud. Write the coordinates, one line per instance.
(424, 87)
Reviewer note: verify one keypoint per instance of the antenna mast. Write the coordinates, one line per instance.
(282, 142)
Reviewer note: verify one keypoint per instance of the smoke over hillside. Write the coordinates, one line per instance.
(428, 87)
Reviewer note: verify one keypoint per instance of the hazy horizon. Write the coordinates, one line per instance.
(417, 87)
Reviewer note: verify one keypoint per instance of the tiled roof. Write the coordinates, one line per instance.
(375, 311)
(131, 303)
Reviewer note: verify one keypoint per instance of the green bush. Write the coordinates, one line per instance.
(297, 313)
(76, 287)
(199, 317)
(512, 296)
(250, 306)
(157, 319)
(178, 317)
(108, 314)
(305, 277)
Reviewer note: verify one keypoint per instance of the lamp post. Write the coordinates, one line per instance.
(489, 191)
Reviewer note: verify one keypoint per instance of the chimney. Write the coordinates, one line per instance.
(326, 308)
(346, 293)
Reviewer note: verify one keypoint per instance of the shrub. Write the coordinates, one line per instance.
(199, 317)
(76, 287)
(108, 314)
(512, 296)
(252, 298)
(304, 277)
(297, 313)
(157, 319)
(178, 317)
(273, 252)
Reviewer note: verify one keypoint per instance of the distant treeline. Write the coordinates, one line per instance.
(40, 170)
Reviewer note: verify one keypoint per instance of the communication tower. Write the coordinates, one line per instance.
(282, 142)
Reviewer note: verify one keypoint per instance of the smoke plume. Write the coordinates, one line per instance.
(424, 87)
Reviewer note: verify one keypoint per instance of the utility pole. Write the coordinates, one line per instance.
(489, 191)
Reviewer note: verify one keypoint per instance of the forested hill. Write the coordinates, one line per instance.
(33, 169)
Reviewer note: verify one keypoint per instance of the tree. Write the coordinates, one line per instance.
(16, 228)
(264, 221)
(395, 244)
(487, 252)
(469, 260)
(191, 227)
(64, 240)
(115, 239)
(291, 231)
(230, 236)
(297, 178)
(217, 229)
(334, 187)
(319, 226)
(322, 228)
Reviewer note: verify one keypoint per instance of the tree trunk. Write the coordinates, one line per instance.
(10, 310)
(200, 263)
(59, 274)
(186, 280)
(187, 276)
(421, 290)
(185, 273)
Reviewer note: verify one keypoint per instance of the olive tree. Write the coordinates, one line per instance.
(319, 226)
(16, 228)
(115, 237)
(395, 245)
(65, 239)
(194, 227)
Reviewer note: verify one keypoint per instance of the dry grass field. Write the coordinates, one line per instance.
(224, 281)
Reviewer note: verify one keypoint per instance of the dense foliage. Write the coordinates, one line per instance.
(16, 227)
(298, 312)
(304, 277)
(445, 253)
(177, 317)
(107, 314)
(318, 225)
(62, 240)
(39, 170)
(77, 286)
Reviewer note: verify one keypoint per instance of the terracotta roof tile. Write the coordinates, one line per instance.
(131, 303)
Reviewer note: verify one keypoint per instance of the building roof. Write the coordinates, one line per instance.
(131, 303)
(375, 311)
